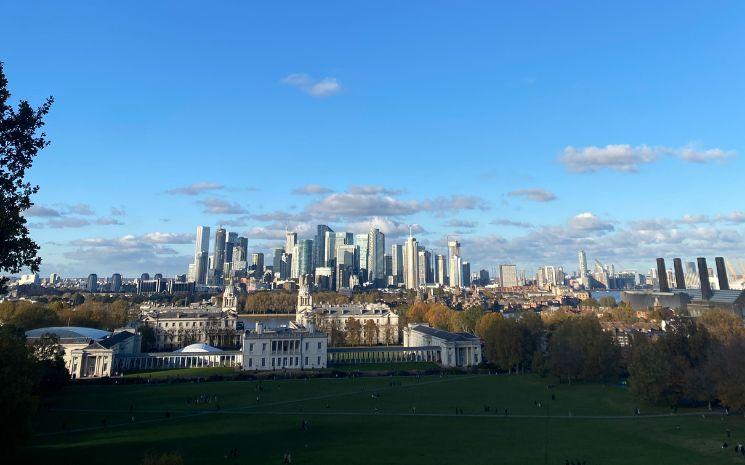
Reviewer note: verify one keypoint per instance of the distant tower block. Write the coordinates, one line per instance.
(680, 277)
(722, 274)
(662, 275)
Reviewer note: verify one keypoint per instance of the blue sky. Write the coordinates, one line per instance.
(528, 129)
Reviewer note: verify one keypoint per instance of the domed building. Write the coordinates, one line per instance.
(200, 348)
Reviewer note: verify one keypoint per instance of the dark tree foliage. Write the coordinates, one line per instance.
(18, 385)
(20, 141)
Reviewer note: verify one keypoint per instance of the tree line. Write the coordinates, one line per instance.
(93, 314)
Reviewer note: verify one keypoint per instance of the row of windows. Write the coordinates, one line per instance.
(181, 324)
(282, 362)
(283, 346)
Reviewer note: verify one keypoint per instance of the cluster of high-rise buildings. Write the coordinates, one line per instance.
(332, 259)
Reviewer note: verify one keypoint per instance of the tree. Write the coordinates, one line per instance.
(148, 337)
(370, 330)
(590, 302)
(19, 144)
(18, 383)
(722, 325)
(579, 349)
(470, 317)
(727, 372)
(607, 301)
(354, 332)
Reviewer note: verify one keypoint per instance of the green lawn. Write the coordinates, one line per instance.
(372, 420)
(394, 367)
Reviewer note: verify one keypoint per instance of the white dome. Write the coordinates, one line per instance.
(199, 348)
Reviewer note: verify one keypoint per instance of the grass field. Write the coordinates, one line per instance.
(390, 420)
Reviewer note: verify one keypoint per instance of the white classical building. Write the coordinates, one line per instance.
(89, 352)
(456, 349)
(177, 327)
(327, 316)
(293, 348)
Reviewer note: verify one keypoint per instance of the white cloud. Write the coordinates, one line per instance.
(536, 195)
(626, 158)
(311, 189)
(216, 206)
(196, 188)
(40, 211)
(512, 223)
(589, 222)
(320, 88)
(391, 228)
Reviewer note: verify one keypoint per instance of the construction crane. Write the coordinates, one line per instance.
(731, 269)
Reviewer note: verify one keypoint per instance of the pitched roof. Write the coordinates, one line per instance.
(115, 339)
(445, 335)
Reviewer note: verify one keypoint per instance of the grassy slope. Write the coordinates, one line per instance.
(345, 429)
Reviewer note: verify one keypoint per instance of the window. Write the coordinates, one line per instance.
(306, 360)
(272, 361)
(319, 361)
(250, 362)
(306, 347)
(319, 346)
(263, 361)
(251, 347)
(263, 347)
(297, 361)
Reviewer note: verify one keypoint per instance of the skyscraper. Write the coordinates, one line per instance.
(582, 264)
(466, 273)
(397, 262)
(305, 257)
(116, 282)
(320, 245)
(376, 257)
(257, 263)
(92, 283)
(201, 254)
(290, 244)
(441, 270)
(361, 242)
(218, 260)
(411, 263)
(508, 275)
(231, 242)
(455, 268)
(277, 264)
(424, 264)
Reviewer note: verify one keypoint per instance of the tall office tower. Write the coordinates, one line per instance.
(582, 264)
(455, 268)
(388, 265)
(466, 273)
(230, 244)
(441, 269)
(92, 283)
(201, 252)
(346, 262)
(484, 277)
(305, 257)
(295, 263)
(424, 258)
(145, 276)
(397, 262)
(411, 263)
(319, 245)
(53, 278)
(218, 255)
(285, 266)
(508, 275)
(290, 241)
(290, 244)
(116, 282)
(361, 242)
(257, 263)
(277, 262)
(376, 257)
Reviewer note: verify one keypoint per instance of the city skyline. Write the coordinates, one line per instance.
(523, 141)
